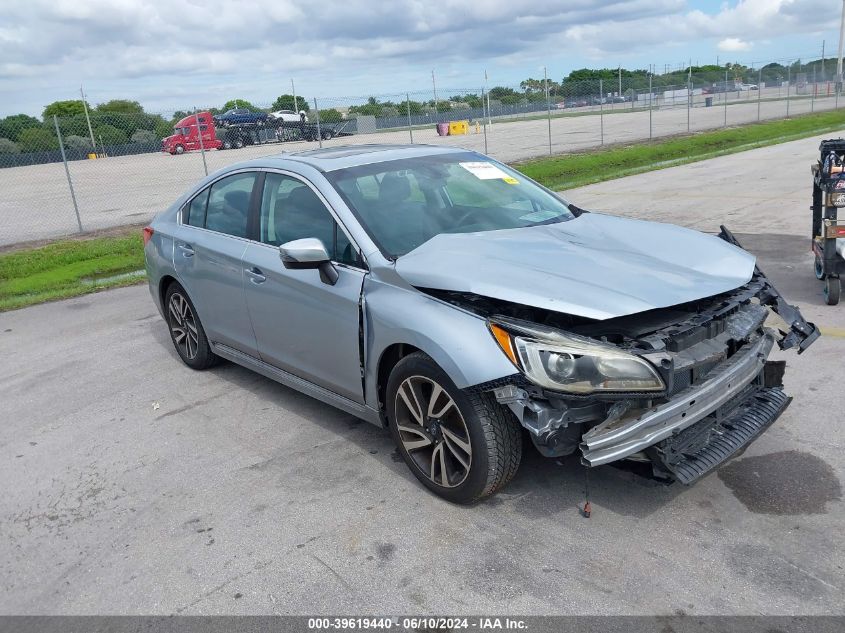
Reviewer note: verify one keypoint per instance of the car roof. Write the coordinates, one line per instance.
(344, 156)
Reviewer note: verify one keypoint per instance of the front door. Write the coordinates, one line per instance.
(303, 325)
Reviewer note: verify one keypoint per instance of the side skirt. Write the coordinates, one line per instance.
(295, 382)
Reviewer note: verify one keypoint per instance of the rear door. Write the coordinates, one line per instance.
(303, 325)
(210, 244)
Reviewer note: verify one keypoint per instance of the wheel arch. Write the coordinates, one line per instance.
(164, 283)
(389, 358)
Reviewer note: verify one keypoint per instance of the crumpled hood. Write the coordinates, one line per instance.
(595, 266)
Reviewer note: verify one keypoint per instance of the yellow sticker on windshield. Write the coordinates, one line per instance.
(511, 181)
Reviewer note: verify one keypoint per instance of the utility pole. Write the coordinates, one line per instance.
(822, 60)
(434, 86)
(839, 54)
(295, 103)
(88, 119)
(487, 89)
(620, 80)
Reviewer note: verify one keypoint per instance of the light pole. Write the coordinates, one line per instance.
(88, 119)
(293, 90)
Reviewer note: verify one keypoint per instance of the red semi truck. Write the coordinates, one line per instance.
(237, 135)
(185, 137)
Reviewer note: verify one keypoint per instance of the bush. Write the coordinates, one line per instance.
(79, 143)
(330, 115)
(37, 140)
(109, 135)
(7, 146)
(144, 136)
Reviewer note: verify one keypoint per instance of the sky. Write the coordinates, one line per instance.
(180, 54)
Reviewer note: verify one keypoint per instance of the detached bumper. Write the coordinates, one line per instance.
(713, 441)
(616, 439)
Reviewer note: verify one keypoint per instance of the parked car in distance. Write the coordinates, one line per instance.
(748, 86)
(240, 116)
(289, 116)
(186, 138)
(449, 298)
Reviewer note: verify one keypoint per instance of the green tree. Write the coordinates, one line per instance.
(162, 129)
(8, 146)
(69, 108)
(124, 106)
(13, 125)
(109, 135)
(37, 140)
(285, 102)
(238, 103)
(330, 115)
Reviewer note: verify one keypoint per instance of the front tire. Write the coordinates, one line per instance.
(179, 149)
(186, 330)
(461, 446)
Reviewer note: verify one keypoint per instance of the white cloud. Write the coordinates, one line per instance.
(165, 47)
(732, 44)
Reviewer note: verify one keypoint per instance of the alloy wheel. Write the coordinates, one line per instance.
(183, 326)
(433, 432)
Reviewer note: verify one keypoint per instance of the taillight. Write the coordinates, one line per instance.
(148, 233)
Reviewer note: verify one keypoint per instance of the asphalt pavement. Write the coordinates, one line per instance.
(133, 485)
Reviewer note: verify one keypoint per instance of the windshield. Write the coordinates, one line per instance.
(405, 203)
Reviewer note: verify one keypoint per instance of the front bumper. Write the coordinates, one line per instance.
(618, 438)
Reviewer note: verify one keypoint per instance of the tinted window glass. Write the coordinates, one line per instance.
(196, 209)
(228, 204)
(290, 210)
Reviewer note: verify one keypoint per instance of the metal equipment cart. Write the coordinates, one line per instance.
(828, 197)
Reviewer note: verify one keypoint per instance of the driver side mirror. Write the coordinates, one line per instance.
(309, 252)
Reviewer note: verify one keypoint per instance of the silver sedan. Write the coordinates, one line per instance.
(463, 306)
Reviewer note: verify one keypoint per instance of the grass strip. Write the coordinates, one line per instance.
(68, 268)
(597, 165)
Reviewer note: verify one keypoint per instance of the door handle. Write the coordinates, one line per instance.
(187, 250)
(255, 275)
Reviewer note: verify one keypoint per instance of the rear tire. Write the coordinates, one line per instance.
(186, 330)
(832, 287)
(818, 268)
(462, 446)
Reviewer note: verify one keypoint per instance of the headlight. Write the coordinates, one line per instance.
(568, 362)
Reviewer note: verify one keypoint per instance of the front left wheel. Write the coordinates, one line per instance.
(186, 330)
(463, 446)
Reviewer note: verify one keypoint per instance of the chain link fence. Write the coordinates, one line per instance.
(72, 174)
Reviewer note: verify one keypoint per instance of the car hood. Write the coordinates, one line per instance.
(595, 266)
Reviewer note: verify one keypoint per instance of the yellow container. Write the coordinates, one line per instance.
(458, 127)
(92, 156)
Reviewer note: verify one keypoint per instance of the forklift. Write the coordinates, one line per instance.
(828, 197)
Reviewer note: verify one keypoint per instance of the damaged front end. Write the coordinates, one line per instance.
(712, 389)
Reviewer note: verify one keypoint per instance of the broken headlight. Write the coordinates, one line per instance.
(567, 362)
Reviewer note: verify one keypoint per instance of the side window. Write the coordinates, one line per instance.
(195, 211)
(228, 204)
(290, 210)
